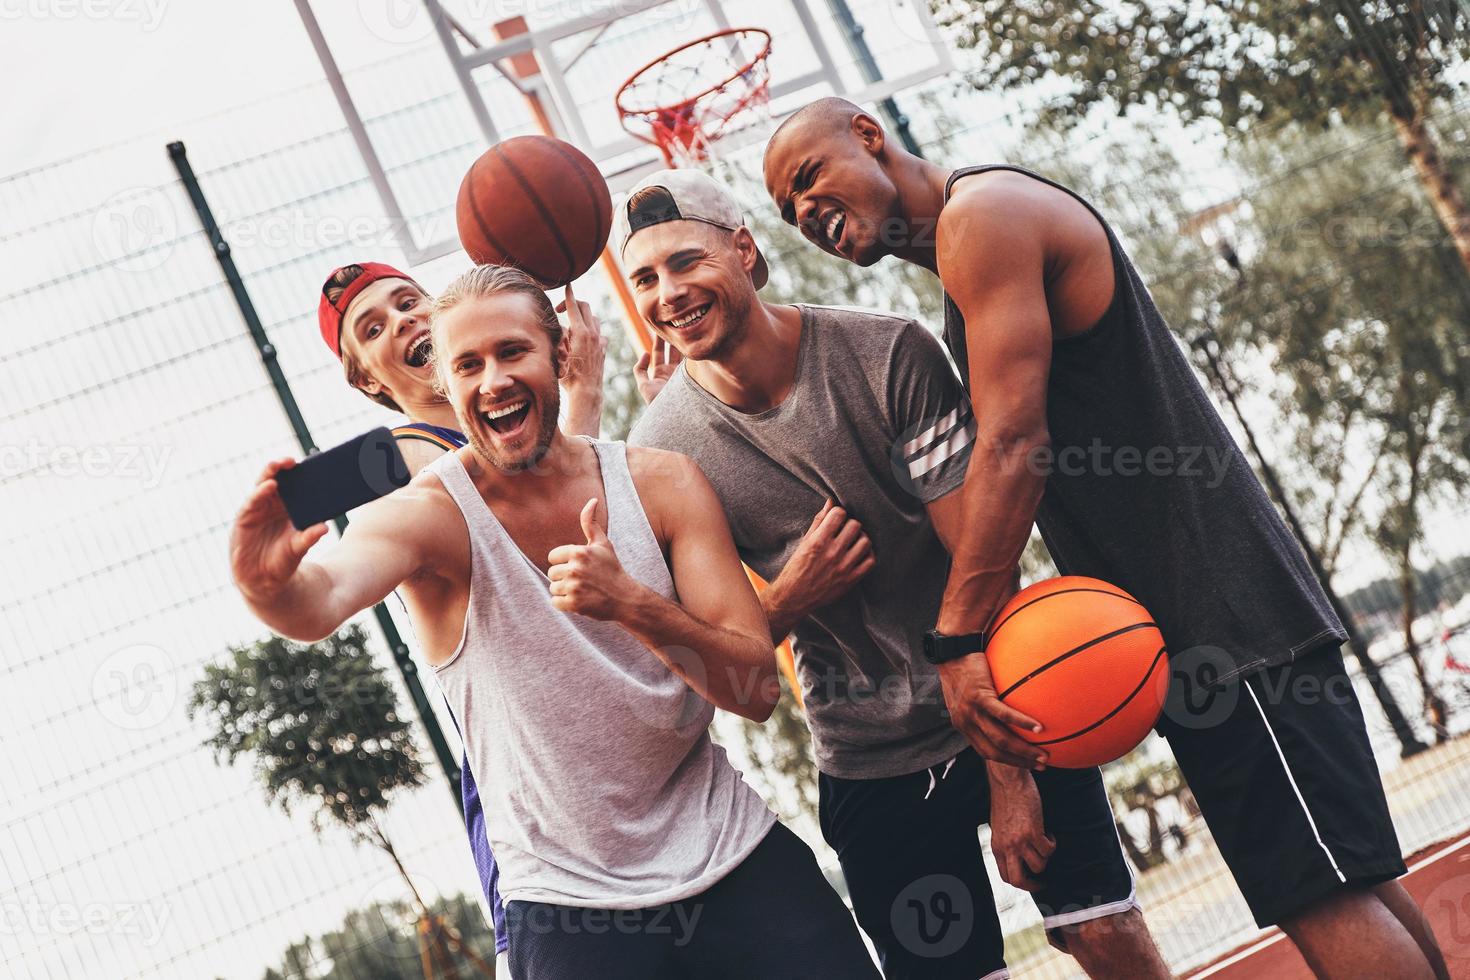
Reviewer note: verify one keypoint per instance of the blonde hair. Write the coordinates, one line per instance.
(491, 280)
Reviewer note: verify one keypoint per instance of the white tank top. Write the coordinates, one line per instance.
(601, 785)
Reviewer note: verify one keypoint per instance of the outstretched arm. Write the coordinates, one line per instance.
(715, 637)
(306, 599)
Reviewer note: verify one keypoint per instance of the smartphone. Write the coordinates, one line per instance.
(331, 483)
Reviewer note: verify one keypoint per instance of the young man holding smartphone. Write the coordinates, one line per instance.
(628, 844)
(375, 319)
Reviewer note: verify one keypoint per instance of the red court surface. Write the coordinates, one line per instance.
(1439, 878)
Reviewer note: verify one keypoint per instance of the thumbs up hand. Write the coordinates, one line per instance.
(588, 579)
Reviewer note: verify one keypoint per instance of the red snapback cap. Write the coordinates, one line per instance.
(329, 315)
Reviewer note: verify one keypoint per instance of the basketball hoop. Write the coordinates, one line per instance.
(685, 101)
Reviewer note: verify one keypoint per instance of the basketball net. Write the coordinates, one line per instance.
(689, 99)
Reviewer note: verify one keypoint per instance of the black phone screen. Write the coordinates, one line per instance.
(331, 483)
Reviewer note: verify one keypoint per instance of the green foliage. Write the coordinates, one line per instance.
(781, 753)
(380, 942)
(1359, 298)
(621, 403)
(319, 722)
(1235, 61)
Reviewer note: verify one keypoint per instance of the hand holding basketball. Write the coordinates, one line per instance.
(265, 549)
(588, 579)
(586, 343)
(983, 718)
(585, 349)
(1085, 658)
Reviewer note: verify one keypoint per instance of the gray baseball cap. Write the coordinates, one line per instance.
(696, 196)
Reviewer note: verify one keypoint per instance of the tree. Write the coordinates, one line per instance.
(1238, 62)
(321, 726)
(1323, 293)
(380, 942)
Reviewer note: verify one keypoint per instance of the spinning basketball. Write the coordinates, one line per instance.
(1085, 659)
(536, 203)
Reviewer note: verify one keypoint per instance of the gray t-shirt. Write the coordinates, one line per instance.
(877, 422)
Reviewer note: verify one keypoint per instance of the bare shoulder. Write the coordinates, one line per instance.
(992, 233)
(996, 212)
(662, 471)
(421, 505)
(988, 212)
(671, 486)
(418, 453)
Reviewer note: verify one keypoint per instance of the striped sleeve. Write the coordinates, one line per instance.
(931, 416)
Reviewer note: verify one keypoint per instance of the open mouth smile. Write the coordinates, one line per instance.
(419, 350)
(689, 319)
(508, 419)
(832, 227)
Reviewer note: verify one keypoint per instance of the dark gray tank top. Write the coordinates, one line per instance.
(1147, 489)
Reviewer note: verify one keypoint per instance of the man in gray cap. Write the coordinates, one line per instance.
(836, 440)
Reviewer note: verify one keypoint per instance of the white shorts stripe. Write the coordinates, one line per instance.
(1294, 788)
(1096, 912)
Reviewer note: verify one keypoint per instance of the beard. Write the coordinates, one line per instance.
(735, 310)
(529, 449)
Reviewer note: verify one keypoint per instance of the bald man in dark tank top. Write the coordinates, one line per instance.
(1092, 425)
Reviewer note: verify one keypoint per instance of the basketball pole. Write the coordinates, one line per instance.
(530, 74)
(858, 44)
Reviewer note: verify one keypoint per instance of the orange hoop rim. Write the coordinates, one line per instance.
(626, 112)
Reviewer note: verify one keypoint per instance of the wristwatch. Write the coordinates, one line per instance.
(941, 649)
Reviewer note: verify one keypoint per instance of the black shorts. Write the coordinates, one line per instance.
(1283, 771)
(774, 916)
(910, 851)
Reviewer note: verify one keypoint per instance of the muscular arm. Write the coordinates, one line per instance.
(716, 636)
(1000, 289)
(992, 262)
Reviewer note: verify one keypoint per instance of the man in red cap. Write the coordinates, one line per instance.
(376, 320)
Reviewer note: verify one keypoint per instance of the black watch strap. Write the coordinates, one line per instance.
(941, 649)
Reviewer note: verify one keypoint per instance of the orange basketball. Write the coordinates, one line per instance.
(1086, 660)
(536, 203)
